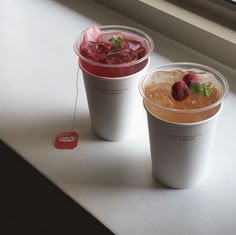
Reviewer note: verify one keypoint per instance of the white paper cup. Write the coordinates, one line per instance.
(112, 104)
(112, 89)
(180, 151)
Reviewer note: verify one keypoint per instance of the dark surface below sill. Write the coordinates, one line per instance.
(30, 204)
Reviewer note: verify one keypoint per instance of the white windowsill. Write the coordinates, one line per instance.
(111, 180)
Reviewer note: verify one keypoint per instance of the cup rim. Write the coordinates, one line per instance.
(186, 124)
(113, 28)
(221, 79)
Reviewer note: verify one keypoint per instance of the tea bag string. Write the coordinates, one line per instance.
(76, 100)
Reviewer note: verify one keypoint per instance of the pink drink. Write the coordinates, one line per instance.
(113, 51)
(112, 59)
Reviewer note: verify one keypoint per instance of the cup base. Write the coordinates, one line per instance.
(109, 137)
(179, 185)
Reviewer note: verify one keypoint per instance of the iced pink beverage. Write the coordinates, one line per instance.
(113, 59)
(113, 51)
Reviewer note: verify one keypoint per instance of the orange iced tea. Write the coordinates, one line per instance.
(183, 94)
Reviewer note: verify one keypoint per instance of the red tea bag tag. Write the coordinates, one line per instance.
(67, 140)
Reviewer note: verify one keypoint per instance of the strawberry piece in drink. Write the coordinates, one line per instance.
(191, 78)
(180, 91)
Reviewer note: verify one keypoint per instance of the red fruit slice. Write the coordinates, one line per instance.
(191, 78)
(90, 35)
(180, 91)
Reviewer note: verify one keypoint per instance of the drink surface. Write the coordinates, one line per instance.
(112, 48)
(163, 105)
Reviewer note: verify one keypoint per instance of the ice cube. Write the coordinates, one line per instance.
(91, 46)
(107, 37)
(96, 57)
(102, 48)
(137, 48)
(120, 57)
(168, 76)
(87, 49)
(139, 53)
(134, 45)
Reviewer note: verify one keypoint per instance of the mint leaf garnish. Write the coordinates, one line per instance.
(117, 41)
(196, 88)
(206, 89)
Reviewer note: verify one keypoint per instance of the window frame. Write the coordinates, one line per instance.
(204, 35)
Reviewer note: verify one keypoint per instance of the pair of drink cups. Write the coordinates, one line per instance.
(180, 150)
